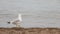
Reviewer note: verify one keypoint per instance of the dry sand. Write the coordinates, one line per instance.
(29, 30)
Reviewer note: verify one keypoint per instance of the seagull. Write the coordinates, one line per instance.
(16, 21)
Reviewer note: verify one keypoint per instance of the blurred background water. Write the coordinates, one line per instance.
(35, 13)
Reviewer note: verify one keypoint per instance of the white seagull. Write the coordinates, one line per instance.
(16, 21)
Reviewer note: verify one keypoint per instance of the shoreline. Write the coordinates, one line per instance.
(16, 30)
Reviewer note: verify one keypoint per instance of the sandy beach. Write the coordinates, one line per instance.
(29, 30)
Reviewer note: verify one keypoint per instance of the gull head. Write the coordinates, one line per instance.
(20, 17)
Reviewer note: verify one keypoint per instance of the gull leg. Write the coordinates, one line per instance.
(17, 25)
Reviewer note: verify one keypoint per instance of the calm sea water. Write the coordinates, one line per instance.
(35, 13)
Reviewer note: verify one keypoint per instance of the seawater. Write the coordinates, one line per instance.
(35, 13)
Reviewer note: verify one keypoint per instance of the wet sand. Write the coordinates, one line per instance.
(15, 30)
